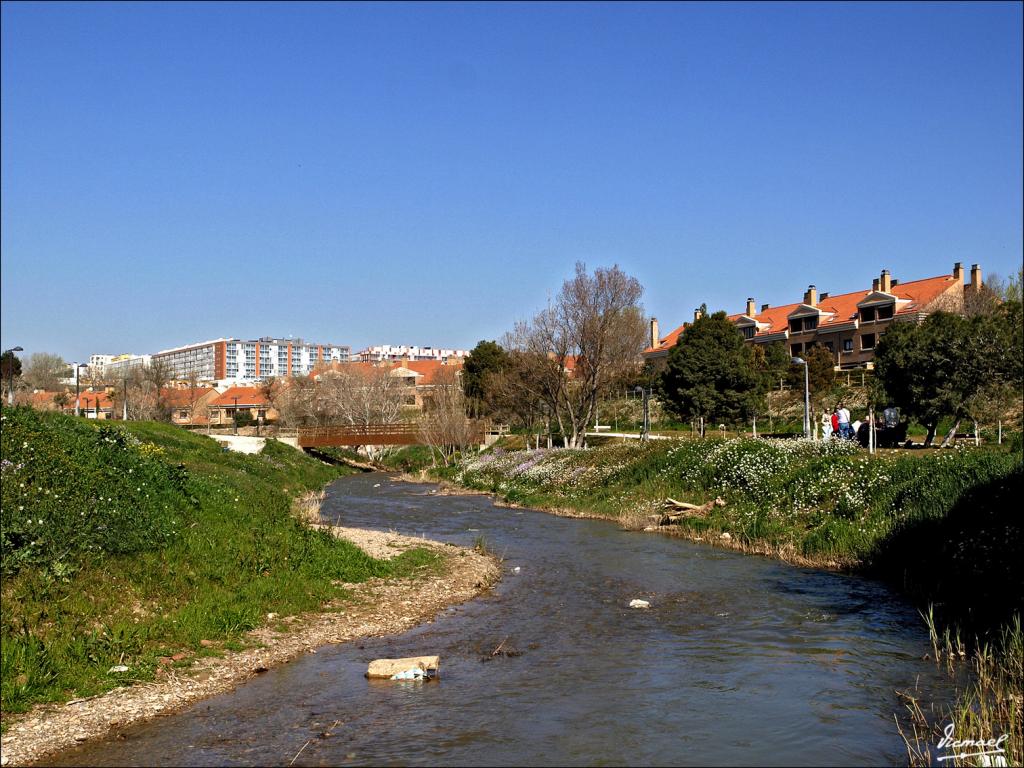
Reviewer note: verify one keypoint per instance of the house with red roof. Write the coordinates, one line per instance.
(849, 325)
(250, 403)
(188, 405)
(93, 404)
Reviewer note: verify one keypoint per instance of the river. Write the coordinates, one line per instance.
(739, 660)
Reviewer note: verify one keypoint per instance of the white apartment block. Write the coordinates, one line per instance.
(231, 361)
(116, 366)
(389, 352)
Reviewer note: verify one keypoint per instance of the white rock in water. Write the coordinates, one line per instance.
(516, 569)
(386, 668)
(725, 537)
(118, 669)
(639, 604)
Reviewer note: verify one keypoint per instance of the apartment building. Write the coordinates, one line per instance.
(849, 325)
(394, 353)
(116, 366)
(234, 360)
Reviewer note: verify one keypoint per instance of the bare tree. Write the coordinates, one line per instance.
(576, 347)
(445, 427)
(45, 371)
(295, 402)
(362, 396)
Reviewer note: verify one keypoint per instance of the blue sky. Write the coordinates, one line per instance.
(429, 174)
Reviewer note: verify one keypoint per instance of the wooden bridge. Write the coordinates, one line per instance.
(402, 433)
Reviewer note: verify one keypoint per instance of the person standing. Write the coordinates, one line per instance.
(826, 425)
(845, 429)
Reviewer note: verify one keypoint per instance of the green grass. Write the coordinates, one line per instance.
(922, 518)
(122, 544)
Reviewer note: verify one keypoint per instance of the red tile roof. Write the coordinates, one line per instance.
(183, 397)
(88, 401)
(667, 342)
(912, 296)
(248, 397)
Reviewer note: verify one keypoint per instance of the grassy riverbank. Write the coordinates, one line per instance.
(138, 544)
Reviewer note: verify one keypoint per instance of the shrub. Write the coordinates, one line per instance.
(72, 488)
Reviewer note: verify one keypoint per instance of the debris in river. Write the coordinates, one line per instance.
(389, 668)
(685, 509)
(639, 604)
(502, 650)
(516, 569)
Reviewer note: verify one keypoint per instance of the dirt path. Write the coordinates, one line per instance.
(378, 607)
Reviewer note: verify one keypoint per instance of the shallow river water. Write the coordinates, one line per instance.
(739, 660)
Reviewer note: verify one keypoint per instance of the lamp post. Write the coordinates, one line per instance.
(646, 393)
(236, 413)
(78, 367)
(10, 385)
(807, 396)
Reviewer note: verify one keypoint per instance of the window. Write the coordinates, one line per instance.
(182, 414)
(749, 331)
(796, 349)
(867, 341)
(801, 324)
(830, 346)
(847, 345)
(867, 315)
(886, 312)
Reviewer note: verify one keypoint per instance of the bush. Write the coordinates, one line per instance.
(72, 487)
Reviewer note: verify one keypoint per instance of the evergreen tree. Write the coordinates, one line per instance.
(711, 373)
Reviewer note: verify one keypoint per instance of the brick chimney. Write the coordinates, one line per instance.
(976, 277)
(697, 315)
(885, 282)
(764, 307)
(750, 307)
(823, 296)
(811, 297)
(958, 272)
(655, 338)
(874, 284)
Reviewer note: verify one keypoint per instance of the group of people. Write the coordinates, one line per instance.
(838, 423)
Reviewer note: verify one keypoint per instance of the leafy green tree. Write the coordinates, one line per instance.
(10, 365)
(10, 370)
(951, 365)
(711, 373)
(486, 358)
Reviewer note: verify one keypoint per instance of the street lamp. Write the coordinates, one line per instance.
(78, 367)
(10, 386)
(807, 396)
(646, 393)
